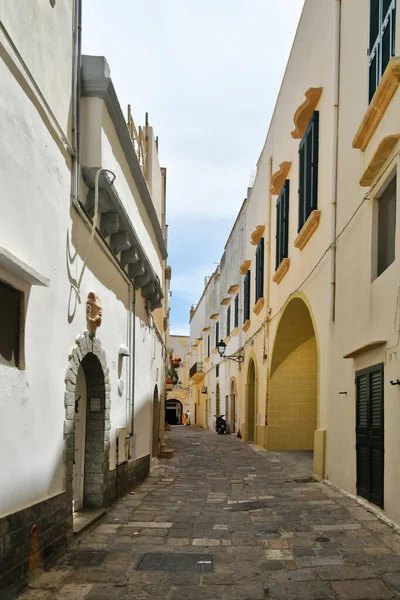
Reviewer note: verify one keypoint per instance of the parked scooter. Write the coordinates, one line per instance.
(220, 424)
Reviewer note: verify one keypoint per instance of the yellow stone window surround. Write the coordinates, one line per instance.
(258, 306)
(304, 113)
(381, 155)
(278, 178)
(281, 270)
(308, 230)
(246, 326)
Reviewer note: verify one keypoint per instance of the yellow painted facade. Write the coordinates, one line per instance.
(326, 309)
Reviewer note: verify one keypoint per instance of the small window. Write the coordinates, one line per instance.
(246, 293)
(228, 321)
(282, 224)
(308, 170)
(386, 227)
(260, 270)
(216, 334)
(236, 311)
(382, 37)
(10, 325)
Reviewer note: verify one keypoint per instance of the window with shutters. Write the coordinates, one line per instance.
(260, 270)
(216, 334)
(236, 321)
(217, 370)
(208, 346)
(308, 170)
(382, 34)
(228, 321)
(385, 228)
(370, 434)
(11, 302)
(246, 297)
(282, 224)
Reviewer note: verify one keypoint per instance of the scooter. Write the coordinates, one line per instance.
(220, 425)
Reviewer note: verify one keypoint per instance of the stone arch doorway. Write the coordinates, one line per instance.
(293, 395)
(173, 412)
(217, 401)
(156, 420)
(87, 426)
(232, 407)
(251, 401)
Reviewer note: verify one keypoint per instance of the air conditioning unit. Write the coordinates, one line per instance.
(204, 389)
(123, 445)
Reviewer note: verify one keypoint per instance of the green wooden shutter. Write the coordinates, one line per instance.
(314, 133)
(228, 321)
(285, 220)
(236, 310)
(216, 334)
(260, 270)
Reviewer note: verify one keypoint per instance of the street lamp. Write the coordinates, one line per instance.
(221, 346)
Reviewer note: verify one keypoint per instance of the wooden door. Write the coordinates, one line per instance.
(80, 433)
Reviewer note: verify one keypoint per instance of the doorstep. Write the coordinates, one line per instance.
(85, 517)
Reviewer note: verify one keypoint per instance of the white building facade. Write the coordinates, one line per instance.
(82, 285)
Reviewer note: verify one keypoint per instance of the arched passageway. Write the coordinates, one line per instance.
(251, 401)
(293, 395)
(173, 412)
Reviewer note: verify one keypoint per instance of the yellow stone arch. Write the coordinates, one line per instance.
(293, 398)
(251, 398)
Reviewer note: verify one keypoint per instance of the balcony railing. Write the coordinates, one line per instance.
(196, 371)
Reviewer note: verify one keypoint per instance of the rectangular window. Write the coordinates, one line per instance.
(236, 310)
(208, 346)
(382, 37)
(217, 370)
(216, 334)
(260, 270)
(228, 321)
(10, 325)
(386, 227)
(246, 302)
(308, 170)
(282, 224)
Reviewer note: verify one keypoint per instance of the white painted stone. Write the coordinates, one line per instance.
(283, 554)
(205, 542)
(150, 525)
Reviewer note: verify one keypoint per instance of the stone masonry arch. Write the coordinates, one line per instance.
(87, 353)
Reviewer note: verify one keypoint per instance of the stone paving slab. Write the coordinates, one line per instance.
(274, 534)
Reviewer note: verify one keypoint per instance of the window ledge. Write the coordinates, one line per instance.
(378, 105)
(308, 229)
(227, 339)
(215, 317)
(234, 331)
(245, 267)
(259, 305)
(226, 301)
(233, 289)
(207, 359)
(206, 329)
(246, 326)
(215, 351)
(304, 113)
(381, 155)
(281, 270)
(365, 348)
(19, 268)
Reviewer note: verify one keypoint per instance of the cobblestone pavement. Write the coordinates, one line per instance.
(271, 532)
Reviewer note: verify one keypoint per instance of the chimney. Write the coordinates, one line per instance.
(192, 311)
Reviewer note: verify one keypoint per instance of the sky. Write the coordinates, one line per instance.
(208, 73)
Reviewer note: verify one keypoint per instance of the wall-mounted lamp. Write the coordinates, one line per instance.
(221, 346)
(397, 382)
(342, 393)
(124, 350)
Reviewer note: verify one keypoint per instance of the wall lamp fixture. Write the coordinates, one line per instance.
(221, 346)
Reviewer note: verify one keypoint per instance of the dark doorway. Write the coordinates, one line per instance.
(155, 440)
(173, 412)
(251, 402)
(370, 434)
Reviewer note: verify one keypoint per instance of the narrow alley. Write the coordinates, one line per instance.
(225, 520)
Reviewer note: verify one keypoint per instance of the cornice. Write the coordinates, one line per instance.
(304, 113)
(381, 155)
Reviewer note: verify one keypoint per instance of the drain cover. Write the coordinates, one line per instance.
(254, 505)
(169, 561)
(322, 539)
(83, 558)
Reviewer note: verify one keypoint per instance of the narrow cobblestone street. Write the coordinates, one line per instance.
(269, 530)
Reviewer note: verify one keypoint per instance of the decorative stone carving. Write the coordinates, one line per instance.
(381, 155)
(94, 312)
(278, 178)
(245, 267)
(303, 114)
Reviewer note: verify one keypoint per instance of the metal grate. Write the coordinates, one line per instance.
(173, 562)
(83, 558)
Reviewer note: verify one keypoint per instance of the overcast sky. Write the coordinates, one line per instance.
(208, 73)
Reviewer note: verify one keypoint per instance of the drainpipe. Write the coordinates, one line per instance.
(76, 93)
(133, 354)
(334, 156)
(268, 294)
